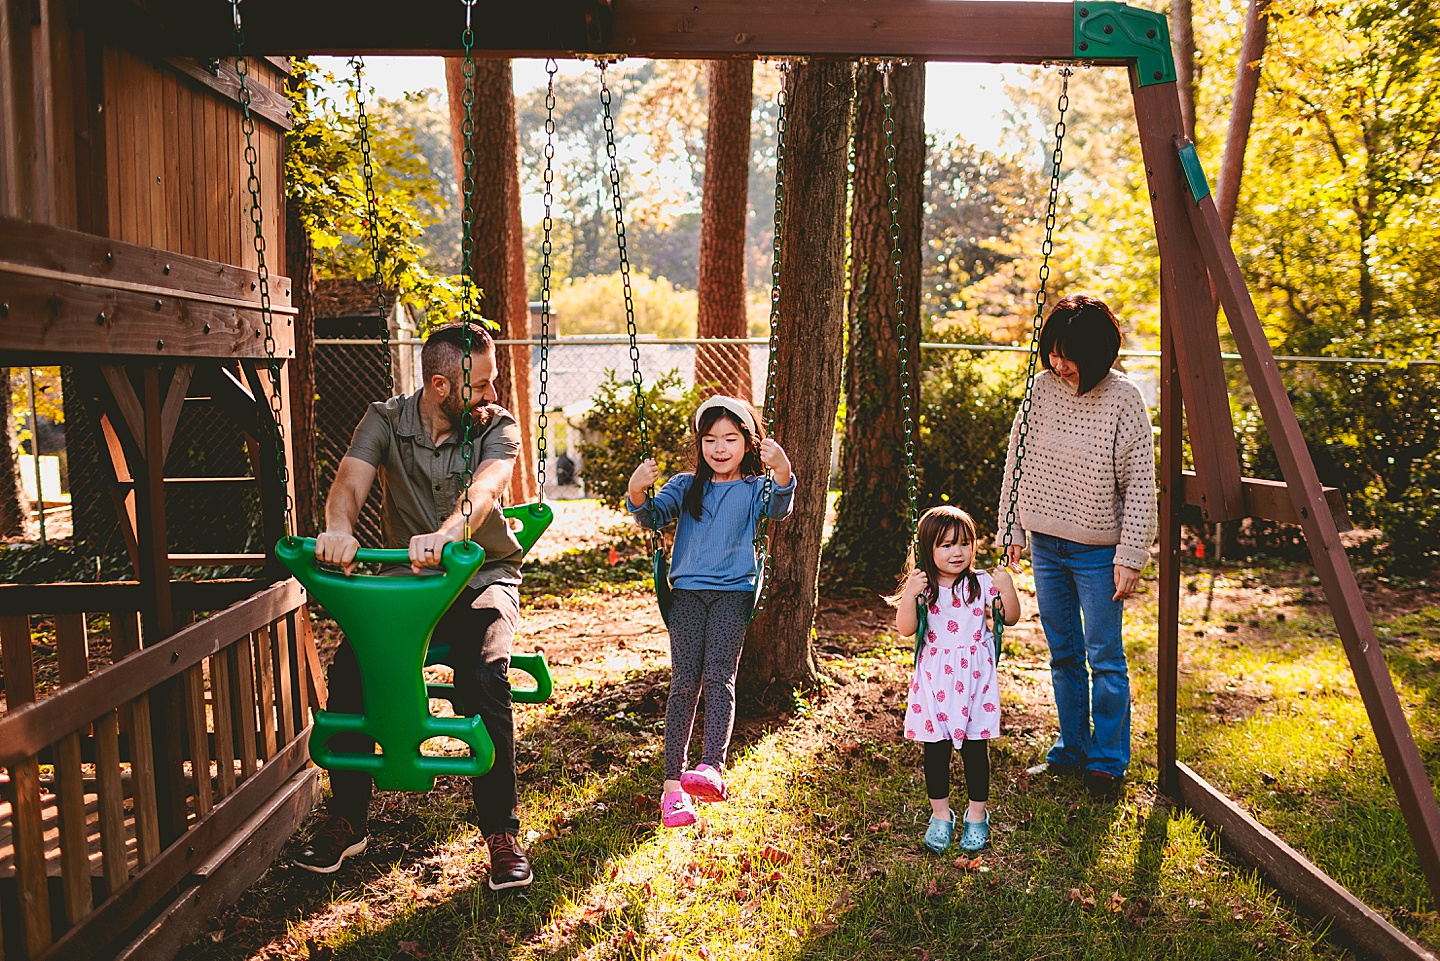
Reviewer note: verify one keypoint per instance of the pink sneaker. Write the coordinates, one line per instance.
(704, 784)
(676, 810)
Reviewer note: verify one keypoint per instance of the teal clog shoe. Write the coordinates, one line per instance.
(939, 834)
(976, 834)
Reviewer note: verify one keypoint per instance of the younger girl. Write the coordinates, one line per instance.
(954, 696)
(713, 569)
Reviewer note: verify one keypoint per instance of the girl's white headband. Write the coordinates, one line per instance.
(730, 404)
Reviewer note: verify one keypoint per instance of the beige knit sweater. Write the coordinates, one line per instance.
(1089, 468)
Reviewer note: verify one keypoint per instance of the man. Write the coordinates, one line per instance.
(414, 444)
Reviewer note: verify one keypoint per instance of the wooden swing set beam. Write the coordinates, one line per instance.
(966, 30)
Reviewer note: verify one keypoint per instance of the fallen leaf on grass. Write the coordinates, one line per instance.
(932, 888)
(969, 864)
(1086, 898)
(879, 826)
(413, 949)
(775, 855)
(1116, 902)
(823, 928)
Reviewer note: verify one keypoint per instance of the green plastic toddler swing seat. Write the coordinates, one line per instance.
(391, 652)
(533, 519)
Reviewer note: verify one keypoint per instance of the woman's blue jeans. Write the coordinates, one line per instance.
(1074, 587)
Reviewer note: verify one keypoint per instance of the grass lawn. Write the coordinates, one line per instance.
(818, 853)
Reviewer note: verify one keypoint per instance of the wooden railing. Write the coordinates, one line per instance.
(120, 783)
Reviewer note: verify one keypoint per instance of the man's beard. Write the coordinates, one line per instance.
(454, 409)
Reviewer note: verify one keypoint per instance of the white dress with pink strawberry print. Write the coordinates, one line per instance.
(954, 694)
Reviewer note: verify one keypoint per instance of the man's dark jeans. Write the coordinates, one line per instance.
(480, 628)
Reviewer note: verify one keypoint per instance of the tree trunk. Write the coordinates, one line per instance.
(300, 265)
(807, 369)
(1242, 109)
(497, 261)
(870, 539)
(12, 520)
(725, 195)
(1184, 29)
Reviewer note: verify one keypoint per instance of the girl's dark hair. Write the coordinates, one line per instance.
(750, 465)
(936, 524)
(1084, 331)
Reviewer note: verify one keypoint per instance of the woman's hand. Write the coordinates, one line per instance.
(773, 456)
(1012, 556)
(1126, 580)
(642, 480)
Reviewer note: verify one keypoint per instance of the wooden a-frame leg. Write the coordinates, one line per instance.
(1407, 773)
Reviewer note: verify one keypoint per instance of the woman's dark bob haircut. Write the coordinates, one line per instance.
(1084, 331)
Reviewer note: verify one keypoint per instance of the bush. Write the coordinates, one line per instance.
(609, 462)
(596, 305)
(967, 403)
(1374, 432)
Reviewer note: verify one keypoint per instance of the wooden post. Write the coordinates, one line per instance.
(1187, 306)
(1407, 773)
(1172, 499)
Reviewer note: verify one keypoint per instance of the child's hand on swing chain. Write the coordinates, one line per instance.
(773, 456)
(642, 480)
(916, 583)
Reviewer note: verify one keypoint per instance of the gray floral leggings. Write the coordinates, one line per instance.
(707, 629)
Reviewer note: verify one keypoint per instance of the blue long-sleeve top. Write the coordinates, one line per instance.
(717, 552)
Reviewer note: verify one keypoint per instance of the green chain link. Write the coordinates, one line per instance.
(1032, 363)
(546, 248)
(372, 212)
(636, 379)
(1038, 320)
(762, 528)
(257, 219)
(467, 267)
(902, 329)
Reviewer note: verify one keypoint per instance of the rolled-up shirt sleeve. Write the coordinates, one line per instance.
(371, 440)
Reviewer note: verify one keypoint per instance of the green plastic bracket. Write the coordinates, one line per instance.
(388, 621)
(1117, 31)
(1194, 173)
(533, 520)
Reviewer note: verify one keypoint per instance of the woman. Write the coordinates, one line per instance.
(1087, 499)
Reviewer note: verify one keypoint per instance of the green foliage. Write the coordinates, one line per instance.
(968, 402)
(324, 179)
(609, 462)
(596, 305)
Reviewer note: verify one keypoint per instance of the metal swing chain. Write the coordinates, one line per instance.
(546, 248)
(257, 219)
(635, 378)
(762, 528)
(467, 249)
(1037, 321)
(372, 209)
(902, 329)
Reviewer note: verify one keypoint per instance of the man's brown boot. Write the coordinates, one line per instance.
(509, 868)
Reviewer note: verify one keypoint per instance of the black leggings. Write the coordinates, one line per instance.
(975, 755)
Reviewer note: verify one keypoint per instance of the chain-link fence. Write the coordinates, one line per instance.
(62, 494)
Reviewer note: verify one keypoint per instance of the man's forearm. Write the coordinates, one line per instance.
(341, 511)
(489, 484)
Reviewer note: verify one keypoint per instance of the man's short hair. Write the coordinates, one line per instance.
(445, 347)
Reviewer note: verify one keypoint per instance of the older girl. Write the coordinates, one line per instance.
(713, 569)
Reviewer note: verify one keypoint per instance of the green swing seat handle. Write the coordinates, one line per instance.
(458, 561)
